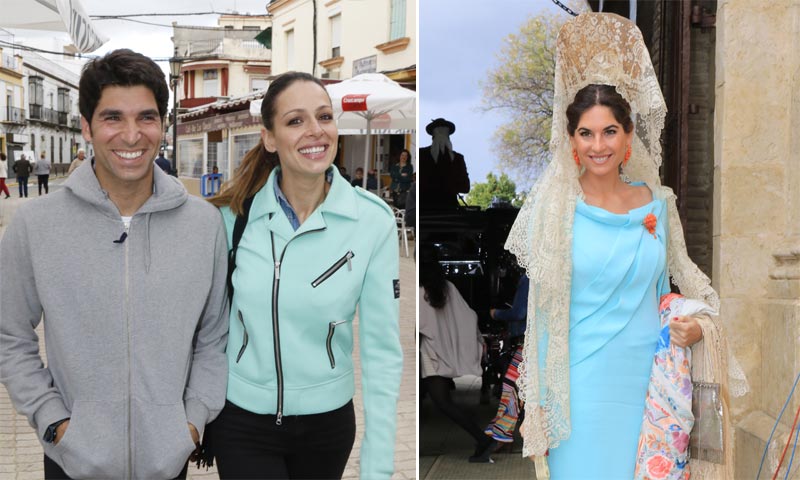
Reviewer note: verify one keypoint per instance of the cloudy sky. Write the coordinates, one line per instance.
(459, 42)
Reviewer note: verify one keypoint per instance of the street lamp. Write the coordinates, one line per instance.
(175, 76)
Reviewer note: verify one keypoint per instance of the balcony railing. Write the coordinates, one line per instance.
(14, 115)
(10, 62)
(38, 112)
(75, 121)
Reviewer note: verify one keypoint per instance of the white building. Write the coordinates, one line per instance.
(51, 96)
(350, 37)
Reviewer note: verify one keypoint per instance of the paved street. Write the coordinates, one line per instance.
(21, 454)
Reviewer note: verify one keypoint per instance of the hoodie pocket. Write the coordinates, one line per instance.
(162, 442)
(94, 445)
(245, 337)
(334, 268)
(329, 341)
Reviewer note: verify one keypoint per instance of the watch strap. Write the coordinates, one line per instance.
(51, 432)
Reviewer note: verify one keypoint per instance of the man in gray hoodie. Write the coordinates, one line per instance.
(136, 365)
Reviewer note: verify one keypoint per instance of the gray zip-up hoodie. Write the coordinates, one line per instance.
(135, 328)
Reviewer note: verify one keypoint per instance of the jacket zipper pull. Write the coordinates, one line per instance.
(279, 419)
(349, 264)
(277, 272)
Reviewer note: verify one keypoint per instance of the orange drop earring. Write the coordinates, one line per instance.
(627, 156)
(575, 156)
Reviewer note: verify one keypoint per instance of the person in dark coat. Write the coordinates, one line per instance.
(163, 163)
(443, 170)
(23, 168)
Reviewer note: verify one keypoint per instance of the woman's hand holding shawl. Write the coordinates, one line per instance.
(685, 331)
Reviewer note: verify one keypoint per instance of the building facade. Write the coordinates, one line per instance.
(13, 115)
(221, 62)
(53, 118)
(221, 65)
(339, 39)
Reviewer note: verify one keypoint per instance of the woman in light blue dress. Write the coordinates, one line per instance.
(598, 249)
(618, 275)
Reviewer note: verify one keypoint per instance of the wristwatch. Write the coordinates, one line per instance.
(50, 433)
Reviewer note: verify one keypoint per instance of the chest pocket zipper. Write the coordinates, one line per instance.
(336, 266)
(245, 337)
(329, 341)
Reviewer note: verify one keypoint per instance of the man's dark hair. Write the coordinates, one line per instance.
(121, 68)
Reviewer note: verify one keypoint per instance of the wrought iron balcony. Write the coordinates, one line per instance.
(15, 115)
(38, 112)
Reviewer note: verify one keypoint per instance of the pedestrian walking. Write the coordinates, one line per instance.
(325, 249)
(77, 162)
(23, 169)
(42, 170)
(137, 367)
(163, 163)
(4, 174)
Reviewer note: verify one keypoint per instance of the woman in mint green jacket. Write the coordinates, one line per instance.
(312, 249)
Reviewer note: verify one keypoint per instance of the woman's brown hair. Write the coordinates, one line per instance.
(258, 163)
(595, 94)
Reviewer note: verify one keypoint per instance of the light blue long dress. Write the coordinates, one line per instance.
(619, 273)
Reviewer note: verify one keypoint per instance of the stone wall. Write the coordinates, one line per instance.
(756, 254)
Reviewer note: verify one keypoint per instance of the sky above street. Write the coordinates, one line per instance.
(459, 43)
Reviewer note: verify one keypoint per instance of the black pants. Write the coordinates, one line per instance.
(53, 472)
(43, 179)
(439, 390)
(249, 445)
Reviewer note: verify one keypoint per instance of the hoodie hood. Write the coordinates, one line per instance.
(168, 191)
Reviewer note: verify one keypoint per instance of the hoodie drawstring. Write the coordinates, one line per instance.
(147, 242)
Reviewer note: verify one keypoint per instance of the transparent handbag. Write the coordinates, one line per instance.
(706, 439)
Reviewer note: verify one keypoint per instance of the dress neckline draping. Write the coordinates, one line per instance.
(600, 214)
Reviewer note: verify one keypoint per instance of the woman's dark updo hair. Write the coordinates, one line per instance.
(604, 95)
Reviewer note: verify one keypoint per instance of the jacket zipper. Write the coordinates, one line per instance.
(329, 341)
(334, 268)
(245, 338)
(130, 360)
(276, 281)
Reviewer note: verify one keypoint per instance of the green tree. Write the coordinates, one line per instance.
(521, 87)
(481, 194)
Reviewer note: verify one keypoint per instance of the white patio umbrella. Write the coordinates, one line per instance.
(373, 103)
(53, 15)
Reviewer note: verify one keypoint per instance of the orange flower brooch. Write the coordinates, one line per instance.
(649, 223)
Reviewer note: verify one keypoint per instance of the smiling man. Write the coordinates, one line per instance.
(136, 363)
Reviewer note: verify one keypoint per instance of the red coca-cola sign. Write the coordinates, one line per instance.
(356, 102)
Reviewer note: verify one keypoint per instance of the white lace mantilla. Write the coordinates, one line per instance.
(593, 48)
